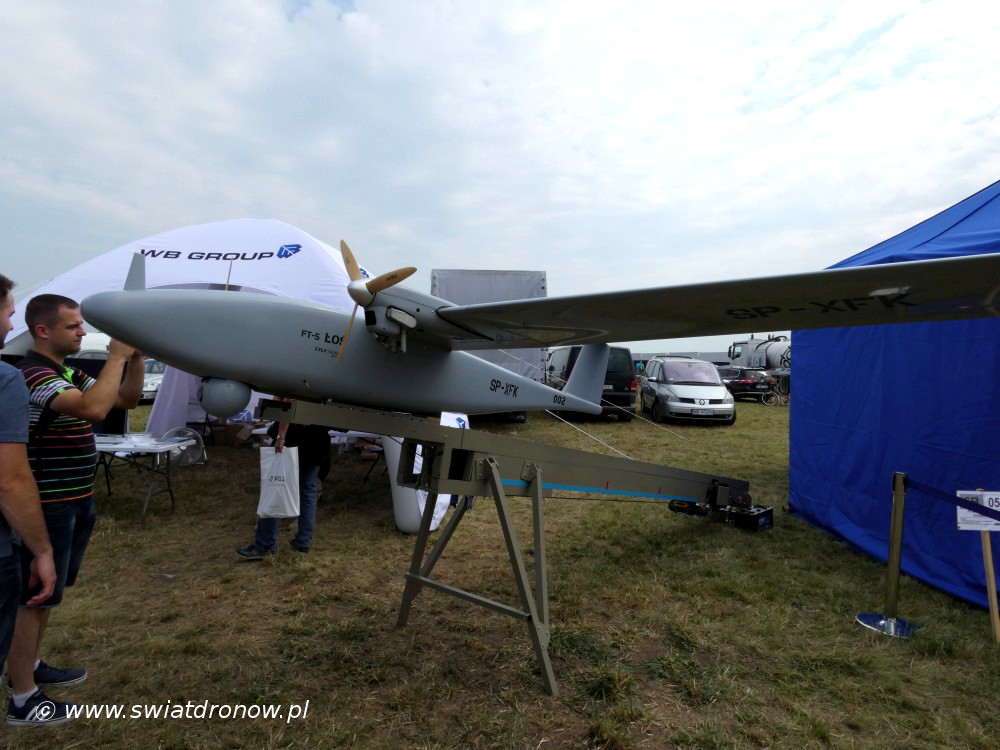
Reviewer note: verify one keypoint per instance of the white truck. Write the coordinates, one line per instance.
(772, 353)
(466, 287)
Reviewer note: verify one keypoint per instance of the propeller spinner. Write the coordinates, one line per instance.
(363, 292)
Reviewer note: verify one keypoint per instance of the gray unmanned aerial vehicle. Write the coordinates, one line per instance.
(415, 358)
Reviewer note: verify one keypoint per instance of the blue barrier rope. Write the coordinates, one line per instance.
(934, 492)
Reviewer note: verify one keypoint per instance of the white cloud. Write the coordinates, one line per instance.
(610, 145)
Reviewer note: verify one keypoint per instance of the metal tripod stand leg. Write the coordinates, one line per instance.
(537, 628)
(538, 525)
(421, 570)
(534, 608)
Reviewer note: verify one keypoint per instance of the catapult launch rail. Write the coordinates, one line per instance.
(469, 464)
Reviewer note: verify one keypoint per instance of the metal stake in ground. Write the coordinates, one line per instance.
(888, 623)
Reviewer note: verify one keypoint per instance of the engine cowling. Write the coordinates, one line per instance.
(223, 398)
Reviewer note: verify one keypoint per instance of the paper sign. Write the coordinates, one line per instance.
(971, 521)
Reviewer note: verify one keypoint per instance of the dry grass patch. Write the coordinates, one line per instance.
(668, 631)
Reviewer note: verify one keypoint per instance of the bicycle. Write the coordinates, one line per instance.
(776, 397)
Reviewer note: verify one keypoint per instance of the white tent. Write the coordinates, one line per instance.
(250, 255)
(262, 256)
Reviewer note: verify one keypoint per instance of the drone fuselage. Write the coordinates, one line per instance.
(289, 347)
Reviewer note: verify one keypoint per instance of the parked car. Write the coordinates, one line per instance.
(151, 381)
(684, 388)
(747, 382)
(619, 380)
(90, 354)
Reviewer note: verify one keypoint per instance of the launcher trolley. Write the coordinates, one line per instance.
(469, 464)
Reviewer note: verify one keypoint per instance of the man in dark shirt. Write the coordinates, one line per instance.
(313, 443)
(63, 457)
(20, 512)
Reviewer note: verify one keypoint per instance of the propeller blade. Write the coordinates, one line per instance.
(347, 335)
(386, 280)
(353, 269)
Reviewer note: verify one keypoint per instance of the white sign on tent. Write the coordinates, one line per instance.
(251, 255)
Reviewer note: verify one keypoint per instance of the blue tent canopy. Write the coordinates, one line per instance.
(921, 398)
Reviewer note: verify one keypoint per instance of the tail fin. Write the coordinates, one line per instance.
(587, 379)
(136, 279)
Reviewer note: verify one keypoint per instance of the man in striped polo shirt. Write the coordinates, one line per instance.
(64, 402)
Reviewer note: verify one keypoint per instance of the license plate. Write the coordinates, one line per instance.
(761, 387)
(608, 387)
(703, 412)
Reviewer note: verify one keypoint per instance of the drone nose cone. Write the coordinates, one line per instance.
(96, 307)
(118, 314)
(99, 308)
(359, 292)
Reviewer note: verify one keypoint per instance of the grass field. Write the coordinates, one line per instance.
(668, 631)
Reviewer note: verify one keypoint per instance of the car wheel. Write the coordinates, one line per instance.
(624, 416)
(658, 415)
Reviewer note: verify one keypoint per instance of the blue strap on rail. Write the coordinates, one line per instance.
(934, 492)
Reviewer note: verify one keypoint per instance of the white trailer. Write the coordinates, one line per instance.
(467, 287)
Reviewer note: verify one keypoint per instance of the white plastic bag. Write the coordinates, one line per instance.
(279, 483)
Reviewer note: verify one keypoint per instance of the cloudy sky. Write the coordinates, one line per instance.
(641, 143)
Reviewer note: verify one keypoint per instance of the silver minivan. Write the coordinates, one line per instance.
(684, 388)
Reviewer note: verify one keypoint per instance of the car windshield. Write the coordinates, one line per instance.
(690, 373)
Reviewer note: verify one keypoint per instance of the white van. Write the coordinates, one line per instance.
(684, 388)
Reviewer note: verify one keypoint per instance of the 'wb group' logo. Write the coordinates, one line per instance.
(287, 251)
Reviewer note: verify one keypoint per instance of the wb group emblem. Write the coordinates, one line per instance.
(287, 251)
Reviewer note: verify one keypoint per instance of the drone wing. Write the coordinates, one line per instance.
(948, 289)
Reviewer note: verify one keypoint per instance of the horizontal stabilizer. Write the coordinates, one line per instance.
(586, 381)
